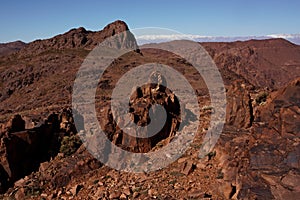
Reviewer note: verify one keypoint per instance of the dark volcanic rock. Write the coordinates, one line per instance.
(22, 150)
(15, 124)
(139, 107)
(256, 161)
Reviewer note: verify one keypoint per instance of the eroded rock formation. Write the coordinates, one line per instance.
(22, 150)
(141, 107)
(263, 162)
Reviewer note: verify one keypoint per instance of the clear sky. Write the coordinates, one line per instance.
(30, 20)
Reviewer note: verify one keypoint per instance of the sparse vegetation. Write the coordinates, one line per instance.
(261, 97)
(172, 182)
(32, 191)
(70, 144)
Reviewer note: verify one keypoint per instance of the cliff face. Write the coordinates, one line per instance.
(256, 157)
(263, 161)
(25, 145)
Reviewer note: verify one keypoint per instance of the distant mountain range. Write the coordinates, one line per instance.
(10, 47)
(145, 39)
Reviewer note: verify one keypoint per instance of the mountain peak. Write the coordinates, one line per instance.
(83, 39)
(118, 26)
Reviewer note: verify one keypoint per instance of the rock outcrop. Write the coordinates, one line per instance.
(22, 151)
(141, 102)
(263, 162)
(239, 108)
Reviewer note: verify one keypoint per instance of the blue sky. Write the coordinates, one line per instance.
(30, 20)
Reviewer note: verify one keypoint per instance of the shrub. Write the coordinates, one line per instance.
(261, 97)
(70, 144)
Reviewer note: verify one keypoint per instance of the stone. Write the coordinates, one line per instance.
(188, 167)
(115, 195)
(182, 160)
(152, 192)
(29, 124)
(100, 193)
(227, 189)
(177, 186)
(135, 194)
(20, 194)
(196, 194)
(126, 191)
(52, 196)
(292, 179)
(44, 166)
(44, 195)
(75, 189)
(20, 183)
(201, 165)
(123, 196)
(59, 193)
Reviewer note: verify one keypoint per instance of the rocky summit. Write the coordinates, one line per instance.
(42, 155)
